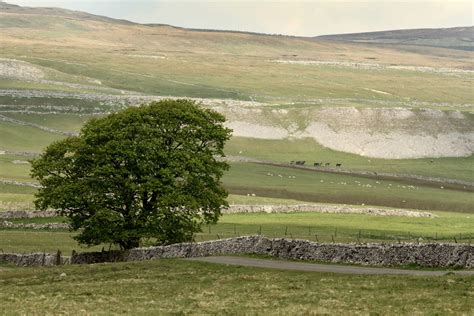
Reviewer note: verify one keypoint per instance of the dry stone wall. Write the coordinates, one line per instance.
(27, 214)
(424, 255)
(33, 259)
(324, 208)
(7, 224)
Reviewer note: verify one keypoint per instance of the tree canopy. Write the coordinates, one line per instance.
(146, 172)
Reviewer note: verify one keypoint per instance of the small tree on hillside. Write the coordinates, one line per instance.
(147, 172)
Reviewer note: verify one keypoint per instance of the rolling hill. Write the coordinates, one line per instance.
(373, 108)
(461, 38)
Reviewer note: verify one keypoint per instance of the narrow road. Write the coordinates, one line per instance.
(315, 267)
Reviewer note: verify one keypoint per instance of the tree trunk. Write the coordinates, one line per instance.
(130, 243)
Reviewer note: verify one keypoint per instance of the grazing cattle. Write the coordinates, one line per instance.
(317, 164)
(300, 162)
(338, 164)
(327, 164)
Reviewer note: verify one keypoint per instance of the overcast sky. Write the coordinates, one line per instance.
(290, 17)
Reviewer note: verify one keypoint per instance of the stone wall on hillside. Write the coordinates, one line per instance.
(27, 214)
(424, 255)
(324, 208)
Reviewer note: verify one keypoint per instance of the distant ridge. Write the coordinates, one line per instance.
(13, 8)
(454, 38)
(53, 11)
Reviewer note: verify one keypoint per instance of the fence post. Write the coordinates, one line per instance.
(58, 258)
(73, 254)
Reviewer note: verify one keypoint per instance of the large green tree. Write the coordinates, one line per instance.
(146, 172)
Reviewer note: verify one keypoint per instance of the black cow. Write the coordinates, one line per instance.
(327, 164)
(338, 164)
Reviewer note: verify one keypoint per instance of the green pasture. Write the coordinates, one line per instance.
(296, 184)
(66, 105)
(60, 122)
(176, 286)
(25, 138)
(223, 65)
(14, 197)
(15, 168)
(322, 227)
(31, 139)
(259, 200)
(201, 73)
(289, 183)
(284, 151)
(16, 189)
(31, 85)
(26, 241)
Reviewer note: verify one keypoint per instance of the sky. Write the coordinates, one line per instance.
(290, 17)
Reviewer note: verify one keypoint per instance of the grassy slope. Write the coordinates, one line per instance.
(25, 138)
(176, 286)
(211, 64)
(164, 60)
(60, 122)
(11, 169)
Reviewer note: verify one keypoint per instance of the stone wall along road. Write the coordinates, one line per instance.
(424, 255)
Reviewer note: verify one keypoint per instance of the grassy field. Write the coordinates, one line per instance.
(346, 227)
(80, 55)
(25, 138)
(310, 151)
(164, 60)
(353, 228)
(297, 184)
(173, 286)
(15, 168)
(219, 65)
(59, 122)
(271, 181)
(302, 185)
(30, 139)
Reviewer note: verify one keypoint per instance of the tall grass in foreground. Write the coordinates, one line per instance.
(173, 286)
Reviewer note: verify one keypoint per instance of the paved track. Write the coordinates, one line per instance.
(315, 267)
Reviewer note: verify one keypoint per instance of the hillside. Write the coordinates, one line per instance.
(461, 38)
(370, 108)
